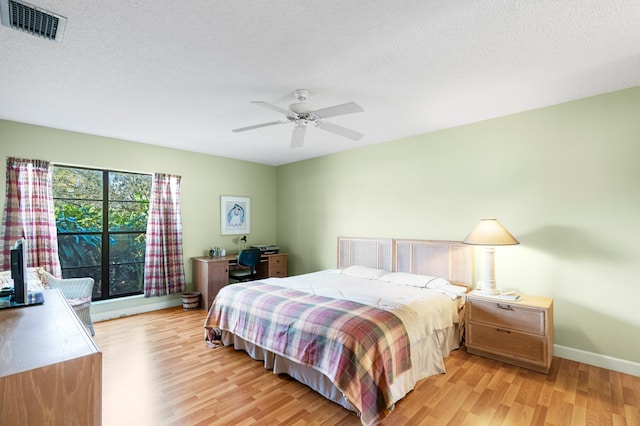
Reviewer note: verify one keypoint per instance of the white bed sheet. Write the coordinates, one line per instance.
(430, 316)
(421, 310)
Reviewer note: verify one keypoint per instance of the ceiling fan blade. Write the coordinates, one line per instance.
(342, 131)
(297, 139)
(273, 107)
(348, 108)
(257, 126)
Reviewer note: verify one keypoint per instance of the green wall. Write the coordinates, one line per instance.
(204, 179)
(564, 180)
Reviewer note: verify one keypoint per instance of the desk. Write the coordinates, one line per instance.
(50, 369)
(210, 274)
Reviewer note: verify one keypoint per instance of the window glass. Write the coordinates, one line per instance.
(127, 248)
(128, 216)
(79, 250)
(126, 279)
(76, 183)
(101, 218)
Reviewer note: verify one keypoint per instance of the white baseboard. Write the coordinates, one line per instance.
(107, 314)
(598, 360)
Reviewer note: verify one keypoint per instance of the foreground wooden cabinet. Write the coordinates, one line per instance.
(50, 368)
(210, 274)
(515, 332)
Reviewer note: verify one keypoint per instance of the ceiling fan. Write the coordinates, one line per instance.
(303, 114)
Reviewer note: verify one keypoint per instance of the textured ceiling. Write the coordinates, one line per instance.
(182, 74)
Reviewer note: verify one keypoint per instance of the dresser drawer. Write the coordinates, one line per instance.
(507, 343)
(508, 316)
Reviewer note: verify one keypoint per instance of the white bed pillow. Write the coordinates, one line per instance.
(438, 282)
(361, 271)
(414, 280)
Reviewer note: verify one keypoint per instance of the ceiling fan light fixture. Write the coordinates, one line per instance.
(301, 108)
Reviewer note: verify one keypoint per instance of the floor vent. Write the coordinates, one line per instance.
(33, 20)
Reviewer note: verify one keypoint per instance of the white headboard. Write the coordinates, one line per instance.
(451, 260)
(376, 253)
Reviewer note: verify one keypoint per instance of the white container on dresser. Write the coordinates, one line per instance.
(516, 332)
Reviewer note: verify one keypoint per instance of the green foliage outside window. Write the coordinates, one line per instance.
(111, 251)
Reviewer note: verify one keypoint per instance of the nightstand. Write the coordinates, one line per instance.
(516, 332)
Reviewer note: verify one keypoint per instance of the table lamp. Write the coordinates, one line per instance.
(490, 233)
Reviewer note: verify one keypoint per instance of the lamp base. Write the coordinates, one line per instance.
(489, 284)
(490, 290)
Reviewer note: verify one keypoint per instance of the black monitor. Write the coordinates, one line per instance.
(19, 270)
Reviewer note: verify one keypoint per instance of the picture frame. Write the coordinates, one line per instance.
(235, 215)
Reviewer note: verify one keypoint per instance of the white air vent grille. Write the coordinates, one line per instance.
(32, 20)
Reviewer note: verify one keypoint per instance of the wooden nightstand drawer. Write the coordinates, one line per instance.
(508, 315)
(508, 343)
(518, 332)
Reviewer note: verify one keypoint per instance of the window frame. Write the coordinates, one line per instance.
(105, 233)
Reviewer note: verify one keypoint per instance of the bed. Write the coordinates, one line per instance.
(363, 334)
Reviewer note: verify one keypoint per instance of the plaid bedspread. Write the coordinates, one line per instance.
(362, 349)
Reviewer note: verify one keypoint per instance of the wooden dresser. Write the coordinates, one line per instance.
(516, 332)
(50, 368)
(210, 274)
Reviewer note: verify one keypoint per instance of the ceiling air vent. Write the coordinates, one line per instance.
(33, 20)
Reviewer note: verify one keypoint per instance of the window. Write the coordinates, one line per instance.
(101, 218)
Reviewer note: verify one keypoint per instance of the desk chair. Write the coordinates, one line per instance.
(249, 258)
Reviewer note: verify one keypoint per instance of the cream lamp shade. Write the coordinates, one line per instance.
(490, 233)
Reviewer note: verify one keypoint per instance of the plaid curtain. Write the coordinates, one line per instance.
(163, 266)
(29, 213)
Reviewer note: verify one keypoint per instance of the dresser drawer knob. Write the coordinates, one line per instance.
(505, 307)
(503, 331)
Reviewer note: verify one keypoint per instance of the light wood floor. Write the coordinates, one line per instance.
(157, 370)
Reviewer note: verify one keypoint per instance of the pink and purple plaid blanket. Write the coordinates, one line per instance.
(362, 349)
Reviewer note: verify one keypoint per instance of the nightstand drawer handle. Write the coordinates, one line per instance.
(504, 331)
(506, 307)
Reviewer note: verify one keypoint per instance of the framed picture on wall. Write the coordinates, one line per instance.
(235, 215)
